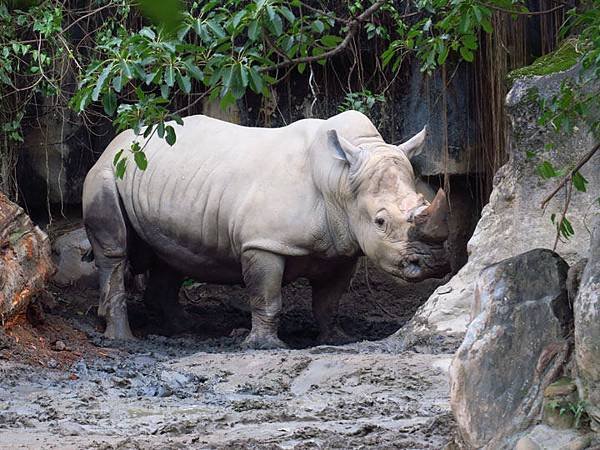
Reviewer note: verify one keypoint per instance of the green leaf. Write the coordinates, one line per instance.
(170, 136)
(160, 129)
(487, 26)
(117, 83)
(140, 160)
(227, 100)
(109, 101)
(330, 40)
(546, 170)
(118, 156)
(182, 32)
(318, 26)
(216, 28)
(529, 154)
(164, 91)
(101, 80)
(465, 23)
(148, 131)
(289, 15)
(467, 54)
(254, 30)
(184, 83)
(170, 75)
(579, 182)
(237, 18)
(193, 70)
(244, 75)
(148, 33)
(443, 55)
(126, 68)
(120, 168)
(275, 21)
(256, 81)
(469, 41)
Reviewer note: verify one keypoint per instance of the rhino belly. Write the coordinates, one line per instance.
(201, 264)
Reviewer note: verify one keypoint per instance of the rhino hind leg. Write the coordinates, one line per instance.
(107, 231)
(263, 274)
(326, 295)
(161, 296)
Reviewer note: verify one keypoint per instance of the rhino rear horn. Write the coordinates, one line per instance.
(432, 222)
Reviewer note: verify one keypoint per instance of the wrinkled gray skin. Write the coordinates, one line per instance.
(230, 204)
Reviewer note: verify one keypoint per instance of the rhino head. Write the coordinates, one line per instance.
(394, 225)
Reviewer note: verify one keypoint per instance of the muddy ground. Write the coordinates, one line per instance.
(62, 385)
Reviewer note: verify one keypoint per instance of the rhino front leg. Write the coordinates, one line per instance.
(326, 295)
(263, 273)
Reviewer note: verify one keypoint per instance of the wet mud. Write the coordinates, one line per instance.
(62, 385)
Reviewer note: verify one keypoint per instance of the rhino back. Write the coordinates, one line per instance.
(222, 189)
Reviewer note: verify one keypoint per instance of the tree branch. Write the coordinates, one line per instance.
(523, 13)
(353, 27)
(584, 159)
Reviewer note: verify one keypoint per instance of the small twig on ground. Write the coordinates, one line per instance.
(584, 159)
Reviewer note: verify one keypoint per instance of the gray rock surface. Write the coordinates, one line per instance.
(543, 437)
(25, 263)
(68, 251)
(515, 346)
(587, 332)
(513, 222)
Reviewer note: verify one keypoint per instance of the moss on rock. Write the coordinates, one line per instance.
(562, 59)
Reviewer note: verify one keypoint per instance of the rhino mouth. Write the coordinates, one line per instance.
(412, 268)
(420, 267)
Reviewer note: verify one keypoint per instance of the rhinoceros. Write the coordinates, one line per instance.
(261, 207)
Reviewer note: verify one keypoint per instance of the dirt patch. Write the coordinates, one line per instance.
(200, 390)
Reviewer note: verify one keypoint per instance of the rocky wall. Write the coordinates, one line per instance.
(513, 221)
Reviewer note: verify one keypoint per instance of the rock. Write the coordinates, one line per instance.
(68, 251)
(60, 346)
(25, 263)
(52, 363)
(587, 332)
(560, 388)
(574, 278)
(542, 437)
(513, 222)
(56, 154)
(515, 346)
(556, 414)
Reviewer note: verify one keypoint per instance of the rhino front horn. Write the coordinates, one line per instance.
(432, 223)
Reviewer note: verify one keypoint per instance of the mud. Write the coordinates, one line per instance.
(62, 385)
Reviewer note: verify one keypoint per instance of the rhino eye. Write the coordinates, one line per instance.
(380, 221)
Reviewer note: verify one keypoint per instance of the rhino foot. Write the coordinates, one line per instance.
(334, 336)
(263, 342)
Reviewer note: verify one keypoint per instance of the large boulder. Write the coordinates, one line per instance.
(587, 332)
(25, 263)
(515, 346)
(513, 222)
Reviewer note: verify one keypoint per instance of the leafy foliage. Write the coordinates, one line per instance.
(132, 68)
(362, 101)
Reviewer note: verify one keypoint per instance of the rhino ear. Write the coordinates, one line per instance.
(343, 149)
(414, 145)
